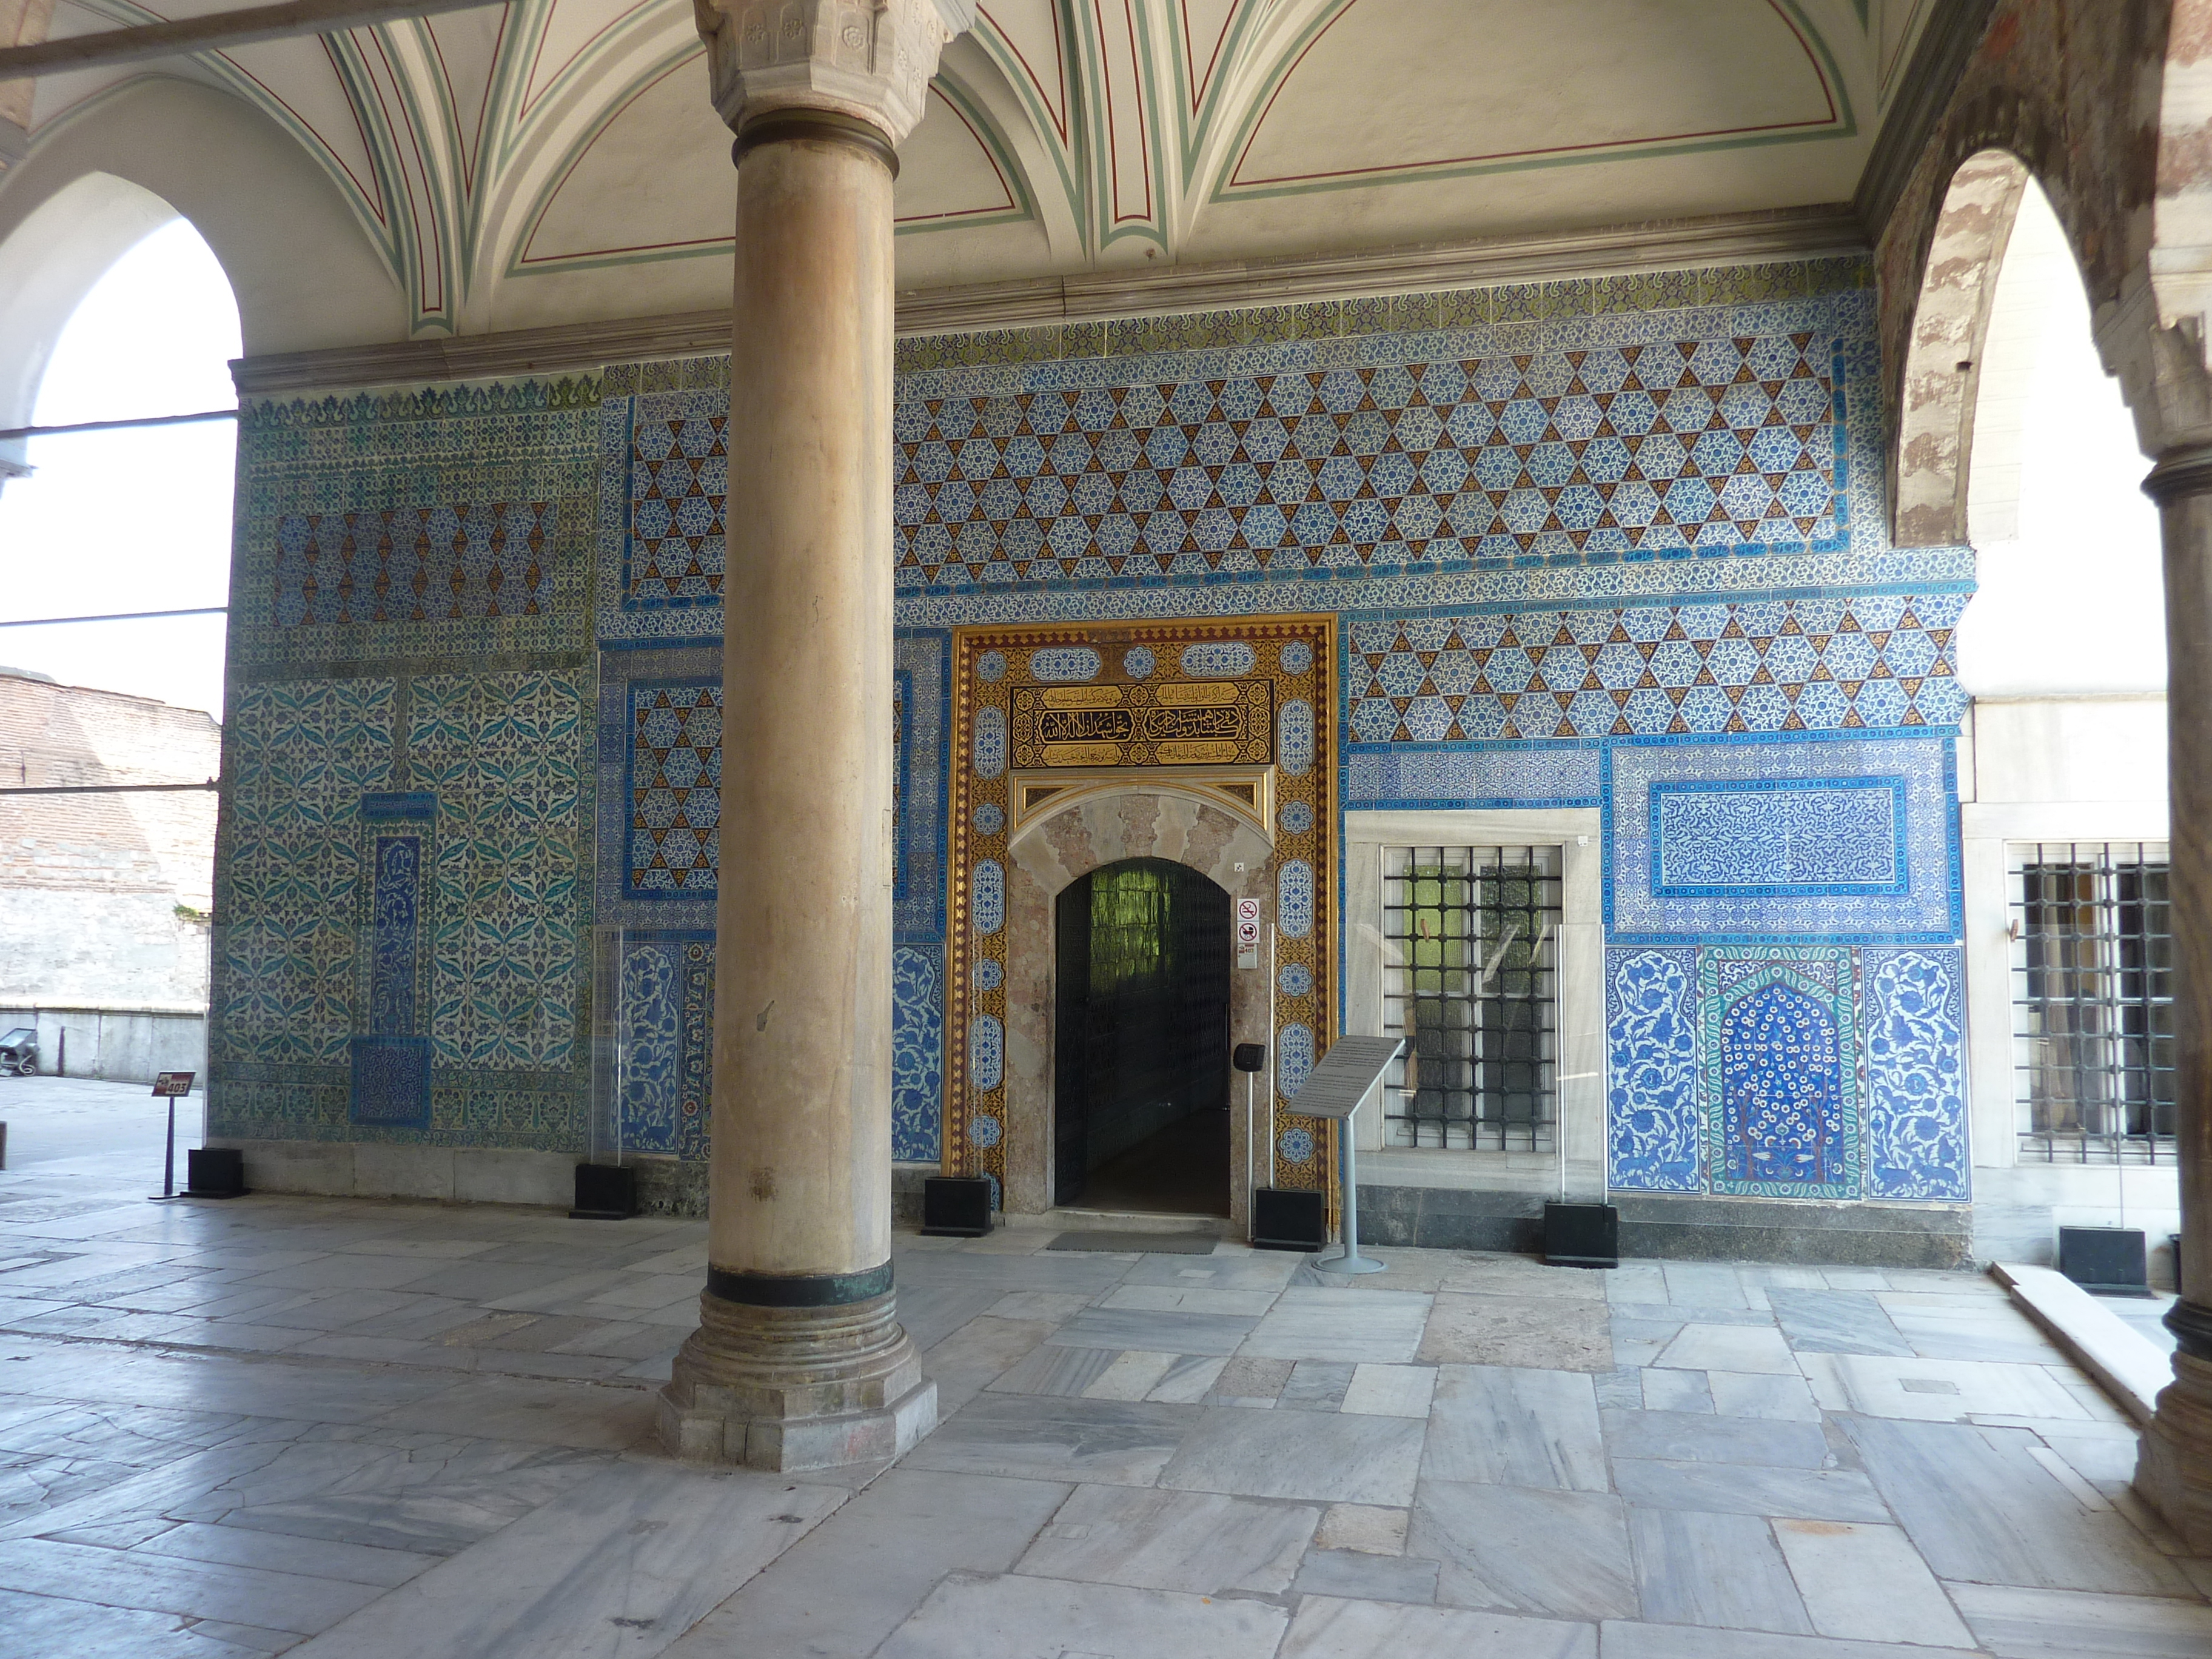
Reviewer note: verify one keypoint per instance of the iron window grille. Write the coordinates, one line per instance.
(1470, 979)
(2092, 1002)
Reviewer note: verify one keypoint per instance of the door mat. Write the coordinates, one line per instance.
(1148, 1243)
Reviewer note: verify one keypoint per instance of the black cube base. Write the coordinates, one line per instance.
(1288, 1219)
(214, 1172)
(2112, 1259)
(605, 1192)
(1580, 1235)
(955, 1206)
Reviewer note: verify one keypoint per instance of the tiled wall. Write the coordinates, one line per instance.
(1611, 543)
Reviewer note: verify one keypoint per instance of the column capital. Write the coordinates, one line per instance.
(867, 60)
(2181, 472)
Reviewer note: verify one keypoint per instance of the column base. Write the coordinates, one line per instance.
(2173, 1469)
(796, 1388)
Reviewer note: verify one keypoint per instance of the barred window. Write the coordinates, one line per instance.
(1470, 978)
(2092, 1002)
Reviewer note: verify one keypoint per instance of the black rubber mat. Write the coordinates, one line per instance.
(1149, 1243)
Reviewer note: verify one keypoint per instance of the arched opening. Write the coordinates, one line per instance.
(2070, 598)
(1141, 1040)
(125, 316)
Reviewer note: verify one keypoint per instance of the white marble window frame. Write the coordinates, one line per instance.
(1577, 1161)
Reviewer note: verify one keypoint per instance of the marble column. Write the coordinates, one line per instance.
(2174, 1470)
(799, 1361)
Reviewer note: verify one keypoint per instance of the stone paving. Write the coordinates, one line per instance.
(339, 1428)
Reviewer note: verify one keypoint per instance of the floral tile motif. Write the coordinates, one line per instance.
(1876, 660)
(1826, 903)
(1463, 776)
(661, 1076)
(1780, 1055)
(1915, 1011)
(1654, 1139)
(917, 1046)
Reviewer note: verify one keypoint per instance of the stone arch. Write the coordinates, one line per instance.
(1935, 424)
(1149, 818)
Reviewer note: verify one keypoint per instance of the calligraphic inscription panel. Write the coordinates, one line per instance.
(1212, 723)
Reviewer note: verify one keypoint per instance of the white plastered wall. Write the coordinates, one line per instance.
(304, 274)
(1580, 1157)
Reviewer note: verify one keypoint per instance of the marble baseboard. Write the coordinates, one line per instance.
(1693, 1229)
(468, 1174)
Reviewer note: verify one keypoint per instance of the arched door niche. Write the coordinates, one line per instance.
(1148, 819)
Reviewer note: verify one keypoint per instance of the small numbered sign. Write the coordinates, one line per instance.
(172, 1084)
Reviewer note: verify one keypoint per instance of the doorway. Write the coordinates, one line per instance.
(1141, 1017)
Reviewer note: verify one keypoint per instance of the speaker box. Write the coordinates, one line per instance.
(1284, 1219)
(605, 1192)
(2108, 1258)
(1580, 1235)
(955, 1206)
(214, 1172)
(1249, 1057)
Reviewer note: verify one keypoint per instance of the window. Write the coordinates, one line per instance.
(2092, 1002)
(1470, 979)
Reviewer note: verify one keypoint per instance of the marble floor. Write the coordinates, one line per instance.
(335, 1428)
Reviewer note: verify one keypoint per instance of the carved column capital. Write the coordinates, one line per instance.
(866, 60)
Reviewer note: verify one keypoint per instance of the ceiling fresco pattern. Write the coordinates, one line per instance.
(555, 161)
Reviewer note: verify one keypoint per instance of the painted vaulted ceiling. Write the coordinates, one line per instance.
(557, 161)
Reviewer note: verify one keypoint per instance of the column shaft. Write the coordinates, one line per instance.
(798, 1361)
(2175, 1468)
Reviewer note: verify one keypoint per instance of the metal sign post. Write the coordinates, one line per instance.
(1352, 1071)
(170, 1085)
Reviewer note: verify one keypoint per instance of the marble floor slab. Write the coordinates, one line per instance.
(1638, 1641)
(1364, 1576)
(1202, 1542)
(1685, 1437)
(1327, 1628)
(2037, 1624)
(641, 1554)
(1979, 1508)
(1826, 1495)
(1011, 1616)
(1391, 1390)
(1528, 1332)
(1360, 1327)
(859, 1574)
(1753, 1349)
(1032, 1437)
(1329, 1458)
(1515, 1428)
(1867, 1583)
(1564, 1554)
(1697, 1568)
(1154, 1332)
(1835, 1322)
(1781, 1399)
(1937, 1390)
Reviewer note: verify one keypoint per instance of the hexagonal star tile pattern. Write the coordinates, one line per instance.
(1602, 454)
(1771, 666)
(674, 789)
(680, 475)
(418, 564)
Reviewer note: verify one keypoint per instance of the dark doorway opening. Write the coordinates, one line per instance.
(1141, 1079)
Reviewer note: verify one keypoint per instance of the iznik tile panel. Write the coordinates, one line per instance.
(674, 788)
(1743, 837)
(663, 1066)
(1781, 1070)
(1916, 1014)
(1895, 818)
(1655, 1137)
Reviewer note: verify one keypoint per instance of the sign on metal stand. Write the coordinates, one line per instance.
(169, 1086)
(1350, 1072)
